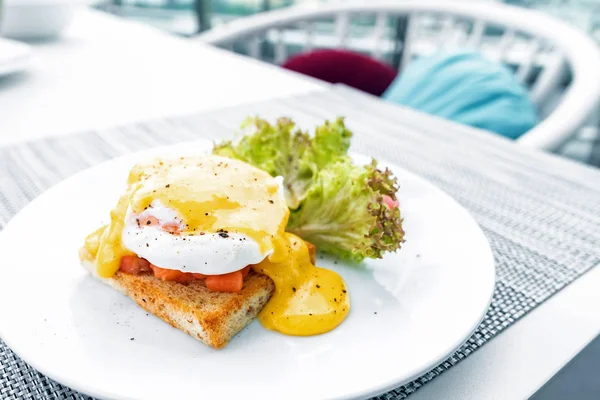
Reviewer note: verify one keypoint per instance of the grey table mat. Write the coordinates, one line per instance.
(540, 213)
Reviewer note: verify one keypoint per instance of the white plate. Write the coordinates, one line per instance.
(77, 330)
(37, 19)
(14, 56)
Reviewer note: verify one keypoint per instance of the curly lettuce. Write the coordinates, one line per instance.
(346, 213)
(344, 209)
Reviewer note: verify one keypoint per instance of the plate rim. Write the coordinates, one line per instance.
(201, 145)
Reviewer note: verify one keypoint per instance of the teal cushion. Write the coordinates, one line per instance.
(466, 87)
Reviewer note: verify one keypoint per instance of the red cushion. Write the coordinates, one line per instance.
(342, 66)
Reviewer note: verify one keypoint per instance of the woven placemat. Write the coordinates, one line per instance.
(540, 213)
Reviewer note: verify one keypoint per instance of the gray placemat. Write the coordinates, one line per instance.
(540, 213)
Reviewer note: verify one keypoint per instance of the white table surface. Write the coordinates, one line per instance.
(106, 71)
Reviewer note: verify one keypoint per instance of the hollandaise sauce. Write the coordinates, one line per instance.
(308, 300)
(217, 197)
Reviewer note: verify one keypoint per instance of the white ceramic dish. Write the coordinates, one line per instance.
(86, 335)
(14, 56)
(37, 19)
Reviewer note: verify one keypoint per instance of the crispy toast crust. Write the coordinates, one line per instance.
(211, 317)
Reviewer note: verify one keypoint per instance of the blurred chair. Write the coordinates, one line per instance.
(543, 51)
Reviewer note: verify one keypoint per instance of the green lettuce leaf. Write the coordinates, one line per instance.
(344, 212)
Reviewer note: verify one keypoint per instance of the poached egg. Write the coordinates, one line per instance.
(213, 215)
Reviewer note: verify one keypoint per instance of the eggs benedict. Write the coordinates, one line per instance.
(201, 243)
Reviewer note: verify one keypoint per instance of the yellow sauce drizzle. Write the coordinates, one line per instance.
(308, 300)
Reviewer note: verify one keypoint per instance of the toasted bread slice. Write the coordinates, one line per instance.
(211, 317)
